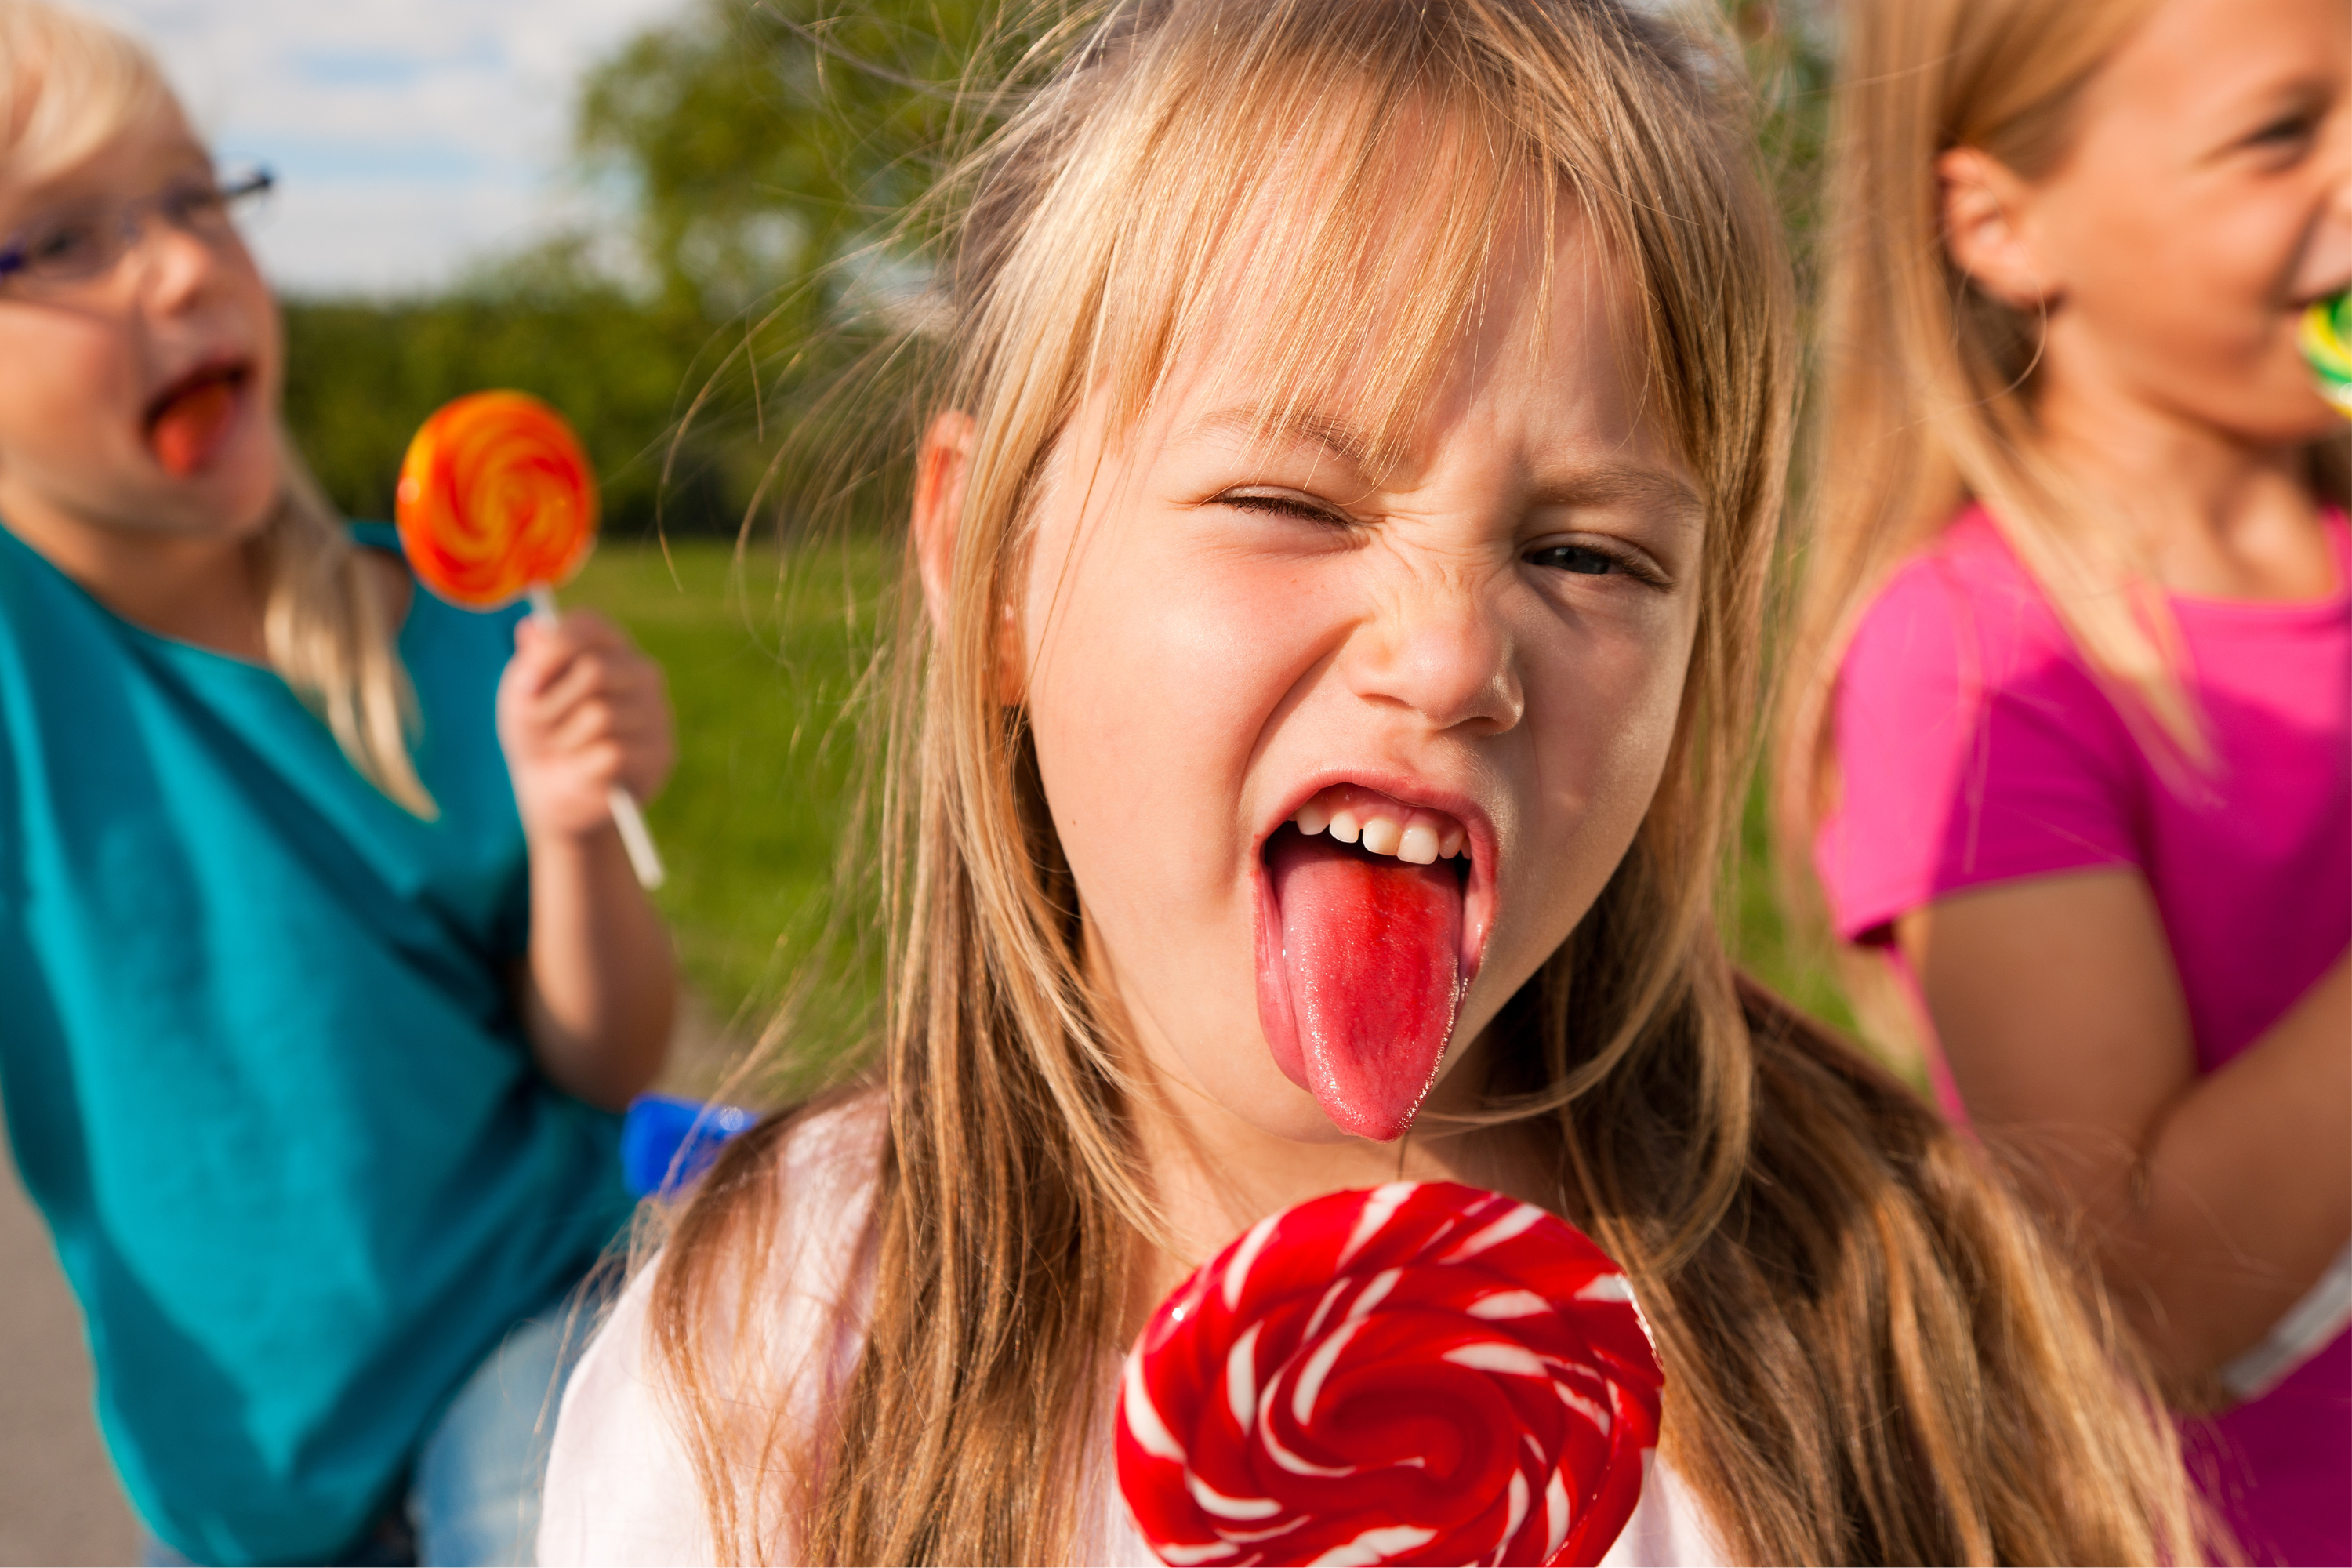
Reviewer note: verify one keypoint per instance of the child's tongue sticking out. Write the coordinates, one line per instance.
(1357, 987)
(190, 420)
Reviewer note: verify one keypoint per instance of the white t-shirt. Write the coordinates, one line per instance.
(622, 1489)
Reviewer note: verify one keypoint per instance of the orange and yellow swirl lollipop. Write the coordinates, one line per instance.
(496, 499)
(497, 502)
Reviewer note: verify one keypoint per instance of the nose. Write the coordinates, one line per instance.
(1439, 647)
(176, 266)
(2327, 261)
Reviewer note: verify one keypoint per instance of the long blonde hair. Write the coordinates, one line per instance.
(1872, 1353)
(68, 84)
(1926, 384)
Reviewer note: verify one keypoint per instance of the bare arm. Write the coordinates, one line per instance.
(2215, 1202)
(579, 709)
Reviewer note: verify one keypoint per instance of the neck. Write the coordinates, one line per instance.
(1214, 1174)
(200, 589)
(2211, 512)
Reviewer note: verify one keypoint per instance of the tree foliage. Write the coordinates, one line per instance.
(762, 156)
(761, 145)
(362, 375)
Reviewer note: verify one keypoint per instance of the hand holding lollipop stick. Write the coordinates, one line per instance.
(497, 502)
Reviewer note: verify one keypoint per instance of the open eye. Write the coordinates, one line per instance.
(195, 205)
(66, 244)
(1582, 559)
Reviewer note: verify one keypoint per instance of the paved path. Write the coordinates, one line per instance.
(58, 1502)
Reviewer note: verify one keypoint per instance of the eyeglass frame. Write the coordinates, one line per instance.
(125, 223)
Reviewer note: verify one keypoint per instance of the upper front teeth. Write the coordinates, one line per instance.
(1411, 834)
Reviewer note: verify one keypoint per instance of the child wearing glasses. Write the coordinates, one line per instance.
(323, 968)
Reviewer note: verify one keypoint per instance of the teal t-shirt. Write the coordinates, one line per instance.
(261, 1063)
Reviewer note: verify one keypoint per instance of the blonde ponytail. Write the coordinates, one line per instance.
(328, 633)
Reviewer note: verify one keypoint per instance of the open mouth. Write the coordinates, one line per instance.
(1369, 929)
(187, 422)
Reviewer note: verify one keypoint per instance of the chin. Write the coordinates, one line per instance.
(1269, 1103)
(249, 491)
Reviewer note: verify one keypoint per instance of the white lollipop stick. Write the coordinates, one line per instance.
(627, 817)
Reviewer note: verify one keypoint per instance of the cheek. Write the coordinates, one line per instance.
(2188, 300)
(1150, 679)
(1602, 712)
(269, 329)
(81, 407)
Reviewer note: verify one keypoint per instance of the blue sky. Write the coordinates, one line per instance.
(411, 136)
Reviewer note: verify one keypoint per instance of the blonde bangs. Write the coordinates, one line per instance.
(68, 84)
(1346, 198)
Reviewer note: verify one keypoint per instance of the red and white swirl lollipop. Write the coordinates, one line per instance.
(1418, 1372)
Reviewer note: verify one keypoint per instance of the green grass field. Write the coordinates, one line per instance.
(765, 658)
(763, 664)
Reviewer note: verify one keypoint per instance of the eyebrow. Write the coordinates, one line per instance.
(1255, 421)
(1613, 484)
(1594, 485)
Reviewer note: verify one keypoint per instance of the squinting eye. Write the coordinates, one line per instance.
(1581, 559)
(2295, 128)
(1283, 505)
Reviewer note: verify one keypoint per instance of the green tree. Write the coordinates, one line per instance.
(762, 147)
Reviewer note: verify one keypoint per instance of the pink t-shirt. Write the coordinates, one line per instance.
(1975, 746)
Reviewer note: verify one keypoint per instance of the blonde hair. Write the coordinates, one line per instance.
(1871, 1354)
(68, 84)
(1926, 384)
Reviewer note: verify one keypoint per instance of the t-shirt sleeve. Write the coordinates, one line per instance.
(620, 1486)
(1973, 746)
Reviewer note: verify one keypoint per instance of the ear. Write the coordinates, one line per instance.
(1988, 222)
(941, 465)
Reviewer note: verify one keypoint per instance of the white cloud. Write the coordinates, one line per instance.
(412, 136)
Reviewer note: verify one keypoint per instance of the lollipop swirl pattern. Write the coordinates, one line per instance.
(2326, 338)
(494, 496)
(1418, 1373)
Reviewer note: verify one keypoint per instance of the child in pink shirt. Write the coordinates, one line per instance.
(1976, 748)
(2072, 740)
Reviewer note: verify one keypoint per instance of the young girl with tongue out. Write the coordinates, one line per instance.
(322, 968)
(1352, 435)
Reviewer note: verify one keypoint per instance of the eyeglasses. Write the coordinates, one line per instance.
(79, 243)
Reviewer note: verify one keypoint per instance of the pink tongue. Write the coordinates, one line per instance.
(192, 424)
(1371, 954)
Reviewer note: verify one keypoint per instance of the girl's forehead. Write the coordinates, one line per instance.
(151, 146)
(1542, 308)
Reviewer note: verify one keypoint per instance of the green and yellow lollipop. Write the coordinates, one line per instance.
(2326, 338)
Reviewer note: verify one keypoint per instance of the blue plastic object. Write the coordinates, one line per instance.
(665, 1142)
